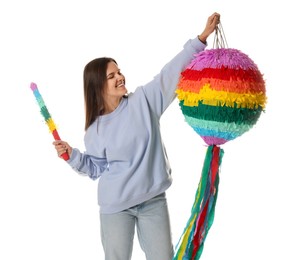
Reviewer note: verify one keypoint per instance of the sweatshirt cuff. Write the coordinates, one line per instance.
(74, 157)
(196, 44)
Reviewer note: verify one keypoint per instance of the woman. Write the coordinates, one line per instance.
(125, 150)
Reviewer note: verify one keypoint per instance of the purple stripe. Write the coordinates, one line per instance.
(210, 140)
(216, 58)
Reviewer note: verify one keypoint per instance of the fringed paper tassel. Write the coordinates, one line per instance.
(202, 214)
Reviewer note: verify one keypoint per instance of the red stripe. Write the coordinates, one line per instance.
(197, 236)
(215, 163)
(55, 135)
(223, 73)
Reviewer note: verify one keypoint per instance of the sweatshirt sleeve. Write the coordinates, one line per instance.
(85, 164)
(160, 92)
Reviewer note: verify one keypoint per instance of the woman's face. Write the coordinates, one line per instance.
(115, 86)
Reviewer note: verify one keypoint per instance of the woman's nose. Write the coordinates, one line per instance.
(121, 77)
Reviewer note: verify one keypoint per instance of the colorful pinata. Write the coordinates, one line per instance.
(222, 95)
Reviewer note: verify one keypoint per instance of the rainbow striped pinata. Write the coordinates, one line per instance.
(221, 95)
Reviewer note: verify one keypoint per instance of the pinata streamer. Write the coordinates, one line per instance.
(45, 113)
(221, 95)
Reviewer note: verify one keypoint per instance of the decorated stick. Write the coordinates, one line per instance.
(45, 113)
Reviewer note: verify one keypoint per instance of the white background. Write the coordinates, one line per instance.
(47, 211)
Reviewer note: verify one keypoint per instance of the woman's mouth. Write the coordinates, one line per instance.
(121, 84)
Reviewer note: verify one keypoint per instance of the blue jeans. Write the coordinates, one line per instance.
(151, 220)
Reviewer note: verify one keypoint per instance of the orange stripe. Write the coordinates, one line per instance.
(222, 85)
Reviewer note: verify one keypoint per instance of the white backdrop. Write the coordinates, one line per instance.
(50, 212)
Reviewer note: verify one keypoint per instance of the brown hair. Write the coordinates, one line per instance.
(94, 81)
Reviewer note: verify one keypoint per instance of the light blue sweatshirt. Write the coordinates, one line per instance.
(125, 149)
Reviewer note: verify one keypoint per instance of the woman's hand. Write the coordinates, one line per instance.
(62, 147)
(211, 25)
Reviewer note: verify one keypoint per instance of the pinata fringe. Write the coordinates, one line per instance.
(222, 113)
(51, 125)
(212, 97)
(191, 242)
(238, 86)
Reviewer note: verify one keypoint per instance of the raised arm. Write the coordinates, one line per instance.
(211, 25)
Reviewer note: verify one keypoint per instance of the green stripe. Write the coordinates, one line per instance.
(222, 113)
(45, 113)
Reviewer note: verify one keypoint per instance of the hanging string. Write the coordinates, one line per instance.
(220, 38)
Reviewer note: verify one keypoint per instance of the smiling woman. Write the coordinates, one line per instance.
(125, 151)
(102, 78)
(47, 212)
(115, 88)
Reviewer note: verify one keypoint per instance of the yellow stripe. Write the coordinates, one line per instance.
(185, 239)
(51, 125)
(212, 97)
